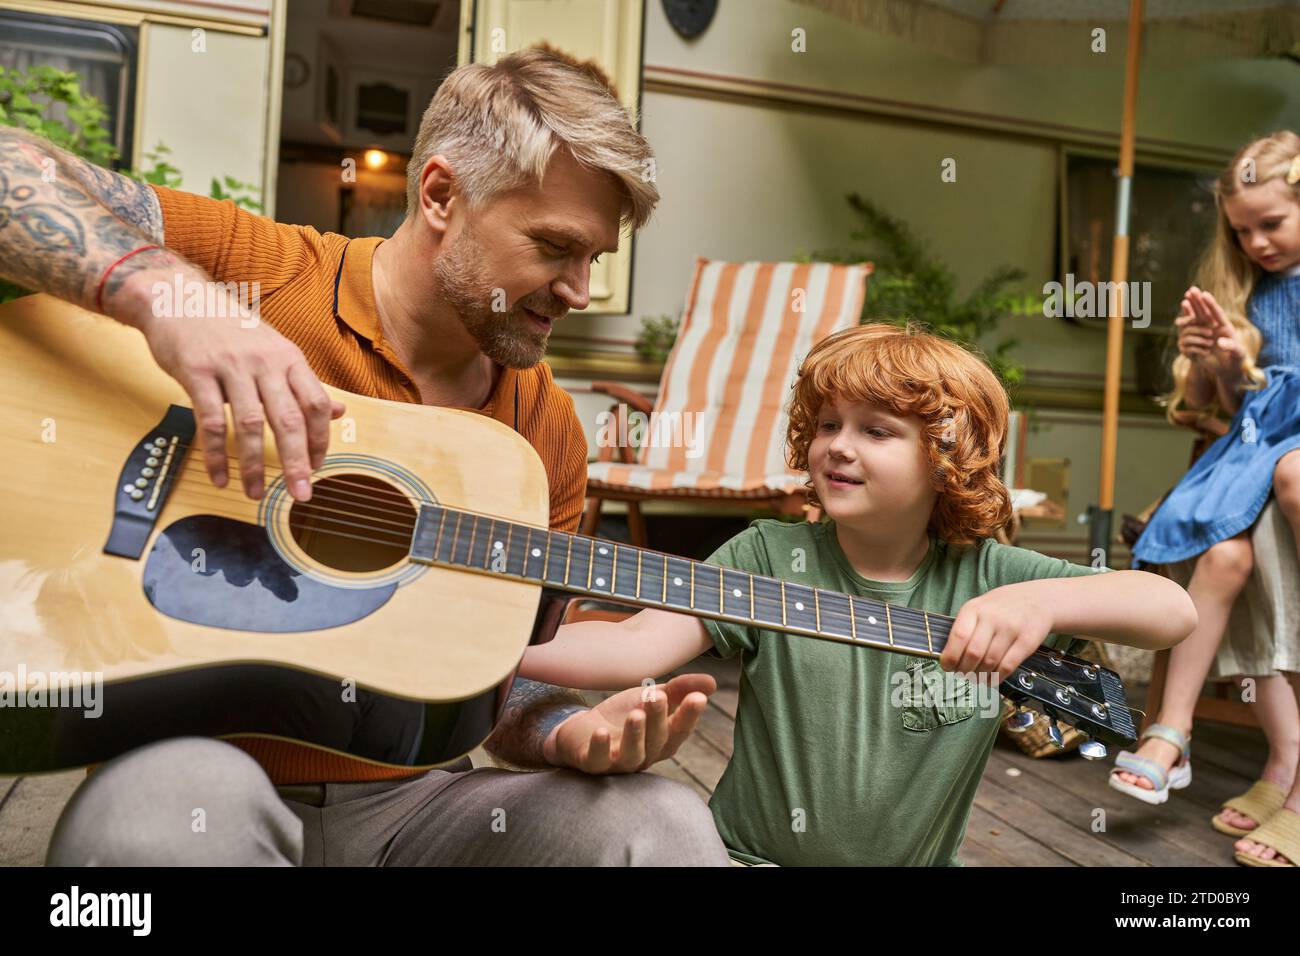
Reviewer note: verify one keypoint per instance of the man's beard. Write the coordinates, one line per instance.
(511, 339)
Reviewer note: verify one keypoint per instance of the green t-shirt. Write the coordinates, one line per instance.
(827, 770)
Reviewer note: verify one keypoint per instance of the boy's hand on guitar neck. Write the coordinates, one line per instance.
(262, 375)
(631, 730)
(995, 632)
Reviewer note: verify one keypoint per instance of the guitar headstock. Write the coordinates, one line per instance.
(1081, 693)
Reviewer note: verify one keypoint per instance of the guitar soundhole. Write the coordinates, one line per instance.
(354, 523)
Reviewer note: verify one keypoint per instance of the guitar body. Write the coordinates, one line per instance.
(216, 615)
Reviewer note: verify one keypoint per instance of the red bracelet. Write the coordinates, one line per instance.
(99, 289)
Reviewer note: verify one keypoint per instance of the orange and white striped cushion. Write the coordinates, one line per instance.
(745, 329)
(608, 474)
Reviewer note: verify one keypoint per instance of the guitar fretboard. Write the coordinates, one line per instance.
(626, 574)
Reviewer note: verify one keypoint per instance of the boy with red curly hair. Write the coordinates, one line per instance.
(901, 434)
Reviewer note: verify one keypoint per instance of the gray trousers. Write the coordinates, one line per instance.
(193, 801)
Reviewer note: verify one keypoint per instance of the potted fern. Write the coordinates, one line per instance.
(910, 283)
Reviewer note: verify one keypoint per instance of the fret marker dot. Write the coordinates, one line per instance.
(600, 582)
(677, 581)
(537, 552)
(603, 551)
(736, 592)
(798, 605)
(497, 545)
(870, 619)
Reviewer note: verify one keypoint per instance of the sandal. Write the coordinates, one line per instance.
(1280, 832)
(1164, 780)
(1260, 802)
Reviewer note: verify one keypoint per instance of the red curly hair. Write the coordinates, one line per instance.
(911, 371)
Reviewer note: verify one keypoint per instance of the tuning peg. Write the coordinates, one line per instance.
(1092, 749)
(1021, 719)
(1054, 732)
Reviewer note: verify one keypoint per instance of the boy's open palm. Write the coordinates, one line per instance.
(995, 632)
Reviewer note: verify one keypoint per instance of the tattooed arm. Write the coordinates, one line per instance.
(64, 222)
(532, 711)
(546, 726)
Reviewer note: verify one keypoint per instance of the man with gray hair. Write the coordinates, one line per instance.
(521, 176)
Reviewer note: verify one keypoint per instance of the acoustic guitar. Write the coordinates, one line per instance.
(384, 619)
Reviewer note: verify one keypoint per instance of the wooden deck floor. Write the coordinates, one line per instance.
(1027, 812)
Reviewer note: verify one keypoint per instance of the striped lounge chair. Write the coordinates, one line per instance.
(717, 430)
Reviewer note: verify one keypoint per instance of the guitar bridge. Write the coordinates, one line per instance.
(146, 478)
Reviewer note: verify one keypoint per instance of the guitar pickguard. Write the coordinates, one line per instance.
(220, 572)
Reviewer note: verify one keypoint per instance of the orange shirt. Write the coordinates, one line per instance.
(295, 268)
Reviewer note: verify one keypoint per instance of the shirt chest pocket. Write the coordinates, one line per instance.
(933, 697)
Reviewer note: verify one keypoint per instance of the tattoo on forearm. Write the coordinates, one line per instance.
(75, 198)
(134, 203)
(113, 232)
(63, 220)
(149, 259)
(51, 228)
(532, 711)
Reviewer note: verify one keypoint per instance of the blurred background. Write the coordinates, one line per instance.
(767, 116)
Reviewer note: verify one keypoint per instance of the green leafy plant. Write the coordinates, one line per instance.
(27, 98)
(159, 171)
(240, 193)
(30, 99)
(162, 173)
(656, 338)
(909, 283)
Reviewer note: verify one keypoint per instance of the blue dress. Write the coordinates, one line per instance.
(1225, 490)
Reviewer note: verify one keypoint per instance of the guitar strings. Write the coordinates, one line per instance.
(335, 493)
(334, 496)
(192, 467)
(652, 572)
(901, 627)
(906, 627)
(318, 503)
(196, 463)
